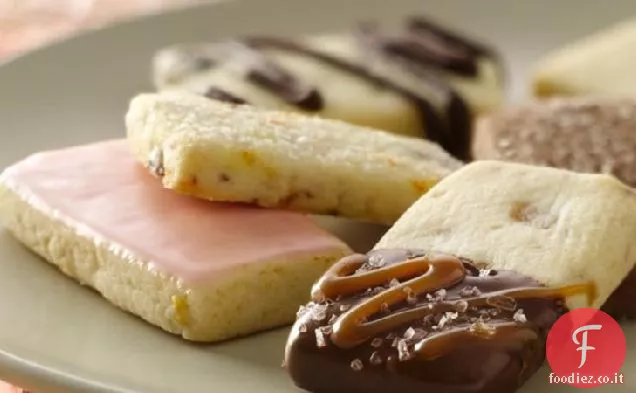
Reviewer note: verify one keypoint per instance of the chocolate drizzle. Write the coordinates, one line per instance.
(454, 136)
(445, 115)
(407, 321)
(427, 28)
(222, 95)
(430, 47)
(269, 75)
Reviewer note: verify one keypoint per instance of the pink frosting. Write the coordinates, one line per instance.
(102, 188)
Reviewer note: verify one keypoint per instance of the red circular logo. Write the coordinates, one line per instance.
(586, 348)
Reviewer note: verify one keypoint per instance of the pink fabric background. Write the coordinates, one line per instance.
(27, 24)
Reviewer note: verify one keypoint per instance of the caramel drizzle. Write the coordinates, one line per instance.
(424, 275)
(508, 334)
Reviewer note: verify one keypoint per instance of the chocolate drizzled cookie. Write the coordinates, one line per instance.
(425, 69)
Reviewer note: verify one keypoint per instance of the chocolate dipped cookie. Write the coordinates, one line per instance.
(413, 321)
(422, 79)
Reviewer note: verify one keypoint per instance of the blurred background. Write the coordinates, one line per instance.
(27, 24)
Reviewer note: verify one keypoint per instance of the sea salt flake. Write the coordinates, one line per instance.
(404, 352)
(481, 328)
(377, 342)
(320, 338)
(319, 313)
(485, 273)
(520, 316)
(357, 365)
(469, 292)
(393, 283)
(409, 333)
(440, 295)
(344, 307)
(446, 318)
(375, 358)
(415, 334)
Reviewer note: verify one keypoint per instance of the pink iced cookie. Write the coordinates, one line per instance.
(205, 271)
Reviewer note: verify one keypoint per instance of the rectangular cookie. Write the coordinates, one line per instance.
(582, 134)
(239, 153)
(601, 64)
(556, 226)
(421, 79)
(201, 270)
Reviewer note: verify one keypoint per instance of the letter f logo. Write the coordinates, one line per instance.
(583, 343)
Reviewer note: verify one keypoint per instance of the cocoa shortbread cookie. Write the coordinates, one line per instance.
(584, 134)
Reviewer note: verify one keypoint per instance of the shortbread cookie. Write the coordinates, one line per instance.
(239, 153)
(588, 135)
(422, 80)
(601, 64)
(556, 226)
(201, 270)
(409, 321)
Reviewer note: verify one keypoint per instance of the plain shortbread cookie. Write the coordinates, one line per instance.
(240, 153)
(553, 225)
